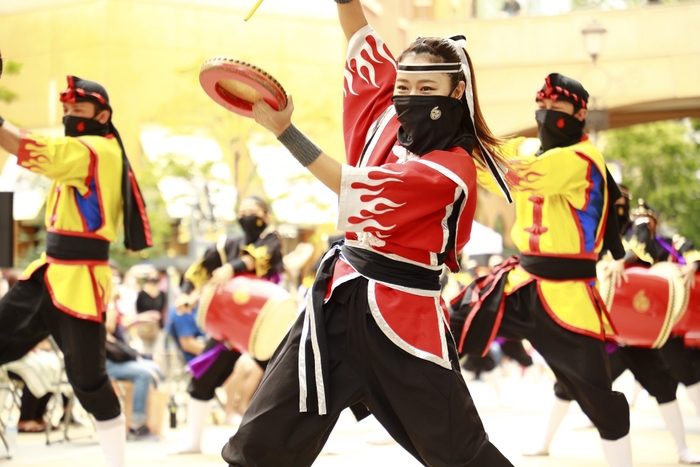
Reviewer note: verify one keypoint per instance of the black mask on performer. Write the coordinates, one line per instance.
(430, 123)
(252, 226)
(81, 126)
(557, 129)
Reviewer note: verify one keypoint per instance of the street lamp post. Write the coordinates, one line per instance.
(593, 34)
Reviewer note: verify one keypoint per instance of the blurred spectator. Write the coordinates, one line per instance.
(39, 371)
(182, 325)
(511, 7)
(151, 303)
(124, 363)
(128, 291)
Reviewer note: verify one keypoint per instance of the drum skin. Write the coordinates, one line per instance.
(646, 307)
(236, 85)
(689, 324)
(251, 314)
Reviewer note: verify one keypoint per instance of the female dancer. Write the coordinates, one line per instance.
(375, 330)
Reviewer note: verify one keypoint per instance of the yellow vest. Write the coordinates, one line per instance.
(560, 212)
(85, 201)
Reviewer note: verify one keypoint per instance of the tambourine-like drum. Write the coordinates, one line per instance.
(689, 324)
(645, 309)
(253, 315)
(236, 85)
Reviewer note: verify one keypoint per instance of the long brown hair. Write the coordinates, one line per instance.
(441, 50)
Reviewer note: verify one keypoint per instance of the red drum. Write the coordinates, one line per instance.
(253, 315)
(645, 309)
(689, 324)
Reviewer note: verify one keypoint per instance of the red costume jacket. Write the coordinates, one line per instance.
(410, 209)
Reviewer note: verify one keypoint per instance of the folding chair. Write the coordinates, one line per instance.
(61, 387)
(7, 386)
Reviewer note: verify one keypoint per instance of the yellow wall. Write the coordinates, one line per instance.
(649, 68)
(138, 48)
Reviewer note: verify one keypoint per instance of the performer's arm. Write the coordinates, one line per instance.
(352, 17)
(321, 165)
(10, 136)
(64, 159)
(191, 345)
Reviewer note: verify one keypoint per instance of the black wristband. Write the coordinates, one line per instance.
(1, 121)
(301, 147)
(343, 1)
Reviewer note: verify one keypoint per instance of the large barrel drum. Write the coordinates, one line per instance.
(645, 309)
(253, 315)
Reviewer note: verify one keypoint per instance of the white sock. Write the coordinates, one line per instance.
(197, 413)
(556, 416)
(618, 453)
(671, 413)
(694, 395)
(111, 435)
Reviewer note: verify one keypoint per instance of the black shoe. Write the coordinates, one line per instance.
(141, 433)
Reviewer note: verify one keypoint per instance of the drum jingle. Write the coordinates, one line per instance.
(646, 307)
(236, 85)
(251, 314)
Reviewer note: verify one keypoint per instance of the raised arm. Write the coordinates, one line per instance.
(352, 16)
(322, 166)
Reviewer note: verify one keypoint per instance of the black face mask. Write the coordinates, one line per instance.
(557, 129)
(429, 123)
(80, 126)
(252, 226)
(623, 217)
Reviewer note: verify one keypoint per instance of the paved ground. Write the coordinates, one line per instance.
(513, 424)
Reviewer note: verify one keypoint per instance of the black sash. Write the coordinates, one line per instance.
(380, 268)
(549, 267)
(68, 248)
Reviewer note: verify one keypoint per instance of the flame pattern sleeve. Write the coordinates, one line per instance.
(370, 75)
(65, 160)
(560, 171)
(406, 204)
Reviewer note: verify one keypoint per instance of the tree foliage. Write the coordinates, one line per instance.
(10, 67)
(661, 163)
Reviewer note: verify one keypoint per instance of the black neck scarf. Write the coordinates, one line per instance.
(430, 123)
(557, 129)
(252, 227)
(81, 126)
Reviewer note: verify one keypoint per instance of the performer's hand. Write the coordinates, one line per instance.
(271, 119)
(221, 276)
(249, 262)
(688, 273)
(616, 270)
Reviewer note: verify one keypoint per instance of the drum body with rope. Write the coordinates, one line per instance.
(646, 307)
(689, 324)
(251, 314)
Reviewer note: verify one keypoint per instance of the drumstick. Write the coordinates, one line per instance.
(253, 10)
